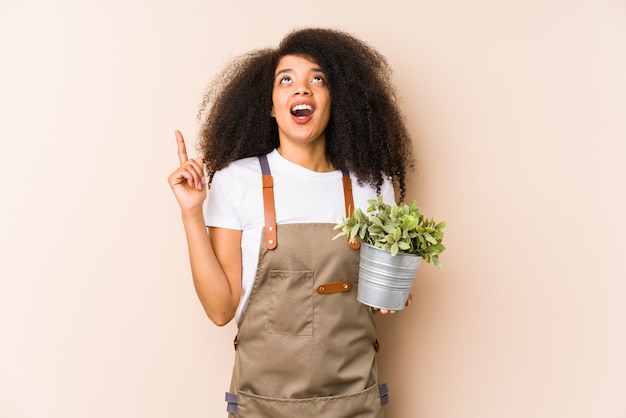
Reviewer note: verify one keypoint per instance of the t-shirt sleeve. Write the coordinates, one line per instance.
(220, 209)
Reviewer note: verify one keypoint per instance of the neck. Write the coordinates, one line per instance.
(310, 156)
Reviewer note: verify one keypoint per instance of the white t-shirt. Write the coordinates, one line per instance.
(301, 196)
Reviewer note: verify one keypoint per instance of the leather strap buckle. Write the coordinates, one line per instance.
(335, 287)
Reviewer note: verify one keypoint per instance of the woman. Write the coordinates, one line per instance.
(295, 138)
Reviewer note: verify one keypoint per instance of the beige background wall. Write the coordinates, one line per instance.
(518, 111)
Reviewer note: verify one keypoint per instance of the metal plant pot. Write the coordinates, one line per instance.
(385, 281)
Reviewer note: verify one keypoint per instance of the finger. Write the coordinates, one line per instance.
(386, 311)
(193, 175)
(182, 149)
(194, 164)
(196, 167)
(180, 176)
(190, 173)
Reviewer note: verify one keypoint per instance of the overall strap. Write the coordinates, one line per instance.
(269, 209)
(349, 201)
(268, 203)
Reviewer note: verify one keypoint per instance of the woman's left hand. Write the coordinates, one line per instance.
(386, 311)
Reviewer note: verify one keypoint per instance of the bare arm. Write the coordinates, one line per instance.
(216, 257)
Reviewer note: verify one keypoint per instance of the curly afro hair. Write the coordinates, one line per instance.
(366, 133)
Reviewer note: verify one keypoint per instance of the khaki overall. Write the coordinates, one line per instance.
(306, 347)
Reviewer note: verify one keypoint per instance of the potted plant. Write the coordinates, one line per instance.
(394, 239)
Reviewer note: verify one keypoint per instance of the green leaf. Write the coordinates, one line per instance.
(389, 228)
(362, 231)
(375, 229)
(394, 249)
(431, 251)
(358, 215)
(341, 234)
(404, 246)
(437, 263)
(394, 212)
(429, 238)
(354, 231)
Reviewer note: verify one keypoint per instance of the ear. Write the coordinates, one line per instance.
(272, 113)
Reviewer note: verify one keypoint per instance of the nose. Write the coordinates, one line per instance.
(302, 89)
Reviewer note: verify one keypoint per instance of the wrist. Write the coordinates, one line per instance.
(193, 214)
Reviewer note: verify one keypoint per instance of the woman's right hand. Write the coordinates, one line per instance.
(188, 181)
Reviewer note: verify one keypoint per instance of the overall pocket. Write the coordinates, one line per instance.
(291, 302)
(364, 404)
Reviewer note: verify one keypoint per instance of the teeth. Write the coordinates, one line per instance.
(301, 107)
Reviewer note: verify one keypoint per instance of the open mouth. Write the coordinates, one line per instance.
(302, 110)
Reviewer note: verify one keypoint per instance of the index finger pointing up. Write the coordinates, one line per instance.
(182, 150)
